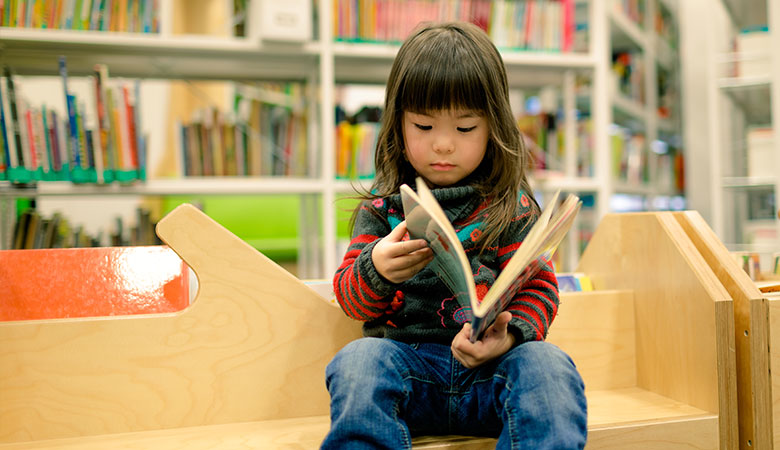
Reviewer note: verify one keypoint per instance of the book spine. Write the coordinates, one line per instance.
(46, 140)
(4, 128)
(41, 146)
(140, 139)
(13, 104)
(114, 134)
(129, 118)
(70, 102)
(124, 135)
(85, 156)
(103, 121)
(62, 143)
(51, 123)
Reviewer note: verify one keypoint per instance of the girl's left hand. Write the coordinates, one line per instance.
(496, 341)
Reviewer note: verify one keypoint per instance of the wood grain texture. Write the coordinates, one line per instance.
(773, 306)
(252, 346)
(751, 334)
(620, 416)
(597, 330)
(694, 433)
(684, 316)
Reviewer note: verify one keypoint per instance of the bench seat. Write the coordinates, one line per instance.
(632, 409)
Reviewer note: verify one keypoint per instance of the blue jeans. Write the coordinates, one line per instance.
(383, 392)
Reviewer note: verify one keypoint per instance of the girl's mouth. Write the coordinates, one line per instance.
(442, 166)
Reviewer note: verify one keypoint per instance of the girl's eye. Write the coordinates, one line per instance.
(466, 130)
(423, 127)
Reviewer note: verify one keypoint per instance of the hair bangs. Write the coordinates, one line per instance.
(434, 82)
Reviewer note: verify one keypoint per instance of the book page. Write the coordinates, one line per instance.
(426, 220)
(524, 254)
(536, 251)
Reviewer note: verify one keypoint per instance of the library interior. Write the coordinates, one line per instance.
(178, 178)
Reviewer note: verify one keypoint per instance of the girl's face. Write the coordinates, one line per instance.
(445, 146)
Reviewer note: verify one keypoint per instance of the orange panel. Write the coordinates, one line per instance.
(91, 282)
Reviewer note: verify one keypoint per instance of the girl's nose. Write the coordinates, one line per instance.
(443, 144)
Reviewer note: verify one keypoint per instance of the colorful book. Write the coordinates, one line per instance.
(426, 220)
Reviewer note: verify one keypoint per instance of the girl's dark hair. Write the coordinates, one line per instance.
(454, 65)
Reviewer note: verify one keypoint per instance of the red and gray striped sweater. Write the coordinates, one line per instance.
(422, 309)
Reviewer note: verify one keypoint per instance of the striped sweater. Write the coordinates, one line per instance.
(422, 309)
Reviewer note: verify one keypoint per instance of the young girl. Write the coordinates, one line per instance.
(447, 119)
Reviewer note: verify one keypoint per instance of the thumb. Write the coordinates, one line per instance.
(397, 233)
(501, 323)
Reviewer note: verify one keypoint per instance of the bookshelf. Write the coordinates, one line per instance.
(327, 63)
(745, 92)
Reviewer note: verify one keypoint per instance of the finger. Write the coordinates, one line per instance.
(404, 248)
(500, 325)
(397, 233)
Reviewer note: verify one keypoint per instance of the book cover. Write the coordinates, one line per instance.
(425, 219)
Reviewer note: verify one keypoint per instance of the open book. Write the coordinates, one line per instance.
(425, 219)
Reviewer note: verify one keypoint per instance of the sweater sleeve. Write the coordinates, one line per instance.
(361, 291)
(535, 305)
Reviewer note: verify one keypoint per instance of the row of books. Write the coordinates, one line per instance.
(266, 135)
(545, 136)
(752, 264)
(96, 140)
(33, 230)
(637, 162)
(518, 24)
(356, 139)
(134, 16)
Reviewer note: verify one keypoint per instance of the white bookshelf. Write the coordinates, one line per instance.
(744, 204)
(326, 63)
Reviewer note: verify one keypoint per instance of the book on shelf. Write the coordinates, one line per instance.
(574, 282)
(33, 230)
(265, 135)
(547, 25)
(83, 143)
(425, 219)
(135, 16)
(356, 139)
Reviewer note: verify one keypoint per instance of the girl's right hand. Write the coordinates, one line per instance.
(398, 260)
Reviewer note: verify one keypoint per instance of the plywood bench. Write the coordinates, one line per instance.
(243, 366)
(757, 347)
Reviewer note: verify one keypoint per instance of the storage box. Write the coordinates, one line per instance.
(753, 49)
(761, 152)
(288, 20)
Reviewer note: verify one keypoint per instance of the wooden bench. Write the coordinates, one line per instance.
(243, 366)
(757, 347)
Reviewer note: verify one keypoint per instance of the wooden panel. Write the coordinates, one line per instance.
(684, 316)
(621, 407)
(252, 346)
(698, 433)
(751, 334)
(627, 417)
(773, 302)
(597, 330)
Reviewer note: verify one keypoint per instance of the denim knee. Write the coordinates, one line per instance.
(543, 402)
(361, 359)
